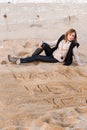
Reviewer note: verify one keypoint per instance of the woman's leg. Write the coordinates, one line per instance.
(45, 47)
(35, 56)
(37, 51)
(49, 59)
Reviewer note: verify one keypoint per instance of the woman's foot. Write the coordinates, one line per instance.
(14, 60)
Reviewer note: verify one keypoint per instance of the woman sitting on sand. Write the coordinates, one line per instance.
(63, 51)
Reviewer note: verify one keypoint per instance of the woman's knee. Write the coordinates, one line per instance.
(44, 45)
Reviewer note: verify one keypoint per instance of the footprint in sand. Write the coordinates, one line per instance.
(22, 53)
(27, 44)
(3, 62)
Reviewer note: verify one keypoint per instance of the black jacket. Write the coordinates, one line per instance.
(69, 57)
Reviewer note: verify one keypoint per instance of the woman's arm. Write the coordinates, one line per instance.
(53, 43)
(50, 43)
(76, 56)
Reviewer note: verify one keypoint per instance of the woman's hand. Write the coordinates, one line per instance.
(40, 44)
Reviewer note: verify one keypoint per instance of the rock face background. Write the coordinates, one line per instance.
(41, 96)
(44, 1)
(41, 21)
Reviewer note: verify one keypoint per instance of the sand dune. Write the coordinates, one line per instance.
(32, 94)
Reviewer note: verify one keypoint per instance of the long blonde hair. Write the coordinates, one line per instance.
(69, 32)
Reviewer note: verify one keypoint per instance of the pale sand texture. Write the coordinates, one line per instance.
(44, 96)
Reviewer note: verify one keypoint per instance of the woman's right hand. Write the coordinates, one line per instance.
(40, 44)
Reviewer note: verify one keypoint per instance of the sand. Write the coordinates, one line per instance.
(44, 96)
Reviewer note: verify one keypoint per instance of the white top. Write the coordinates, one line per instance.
(62, 50)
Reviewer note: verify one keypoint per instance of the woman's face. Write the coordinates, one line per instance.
(71, 36)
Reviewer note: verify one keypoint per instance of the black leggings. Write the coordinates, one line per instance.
(44, 58)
